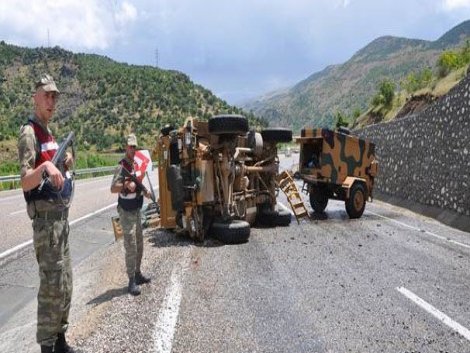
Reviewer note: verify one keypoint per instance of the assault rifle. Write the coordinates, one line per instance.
(59, 156)
(139, 184)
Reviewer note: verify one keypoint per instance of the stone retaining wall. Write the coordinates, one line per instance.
(425, 158)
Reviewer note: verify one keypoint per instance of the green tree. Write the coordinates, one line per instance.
(340, 120)
(448, 61)
(385, 94)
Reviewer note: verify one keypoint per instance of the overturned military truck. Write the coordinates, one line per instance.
(216, 177)
(336, 165)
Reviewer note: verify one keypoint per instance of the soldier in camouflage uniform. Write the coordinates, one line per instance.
(129, 205)
(48, 208)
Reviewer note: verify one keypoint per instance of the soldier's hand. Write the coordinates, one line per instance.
(55, 176)
(130, 185)
(68, 160)
(147, 194)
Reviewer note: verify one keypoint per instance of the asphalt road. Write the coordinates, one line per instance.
(392, 281)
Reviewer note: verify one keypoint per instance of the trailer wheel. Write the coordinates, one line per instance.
(277, 134)
(228, 124)
(318, 198)
(356, 202)
(234, 232)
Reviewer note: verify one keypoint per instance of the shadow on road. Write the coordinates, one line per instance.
(108, 295)
(162, 238)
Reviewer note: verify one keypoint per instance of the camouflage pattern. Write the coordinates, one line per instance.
(50, 238)
(215, 172)
(51, 244)
(339, 156)
(133, 239)
(131, 229)
(27, 153)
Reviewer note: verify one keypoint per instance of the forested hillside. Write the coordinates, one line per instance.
(101, 100)
(348, 89)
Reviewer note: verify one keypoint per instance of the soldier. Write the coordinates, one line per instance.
(47, 206)
(129, 204)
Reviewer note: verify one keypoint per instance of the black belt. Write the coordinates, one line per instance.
(55, 215)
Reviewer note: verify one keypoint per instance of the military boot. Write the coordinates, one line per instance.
(133, 288)
(46, 349)
(61, 345)
(141, 279)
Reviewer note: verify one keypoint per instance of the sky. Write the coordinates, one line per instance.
(238, 49)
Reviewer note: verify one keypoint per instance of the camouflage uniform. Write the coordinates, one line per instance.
(131, 227)
(51, 244)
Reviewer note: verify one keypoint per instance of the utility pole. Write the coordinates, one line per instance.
(48, 39)
(156, 57)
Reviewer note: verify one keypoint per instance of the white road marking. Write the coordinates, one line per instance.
(29, 242)
(422, 230)
(92, 213)
(18, 212)
(168, 315)
(79, 183)
(11, 197)
(436, 313)
(285, 207)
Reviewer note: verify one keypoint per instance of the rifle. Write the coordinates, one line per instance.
(59, 157)
(139, 183)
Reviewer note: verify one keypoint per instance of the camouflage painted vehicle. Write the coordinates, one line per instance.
(336, 165)
(212, 177)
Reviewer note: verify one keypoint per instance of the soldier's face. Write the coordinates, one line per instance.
(130, 152)
(44, 104)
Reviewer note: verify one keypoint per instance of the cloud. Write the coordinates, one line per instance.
(73, 24)
(126, 14)
(451, 5)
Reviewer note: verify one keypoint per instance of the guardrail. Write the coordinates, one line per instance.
(85, 171)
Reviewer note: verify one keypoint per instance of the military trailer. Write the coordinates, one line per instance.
(337, 165)
(211, 177)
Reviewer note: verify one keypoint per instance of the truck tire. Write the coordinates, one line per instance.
(166, 130)
(318, 198)
(356, 203)
(277, 218)
(277, 134)
(267, 218)
(228, 124)
(283, 218)
(175, 184)
(234, 232)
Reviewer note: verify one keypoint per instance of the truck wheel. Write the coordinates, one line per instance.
(267, 218)
(228, 124)
(278, 134)
(235, 232)
(318, 198)
(357, 201)
(175, 184)
(283, 218)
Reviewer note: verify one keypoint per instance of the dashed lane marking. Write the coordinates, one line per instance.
(436, 313)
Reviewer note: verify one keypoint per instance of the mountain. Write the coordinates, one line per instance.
(101, 100)
(350, 86)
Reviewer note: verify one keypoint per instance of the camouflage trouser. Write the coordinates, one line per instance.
(133, 241)
(51, 245)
